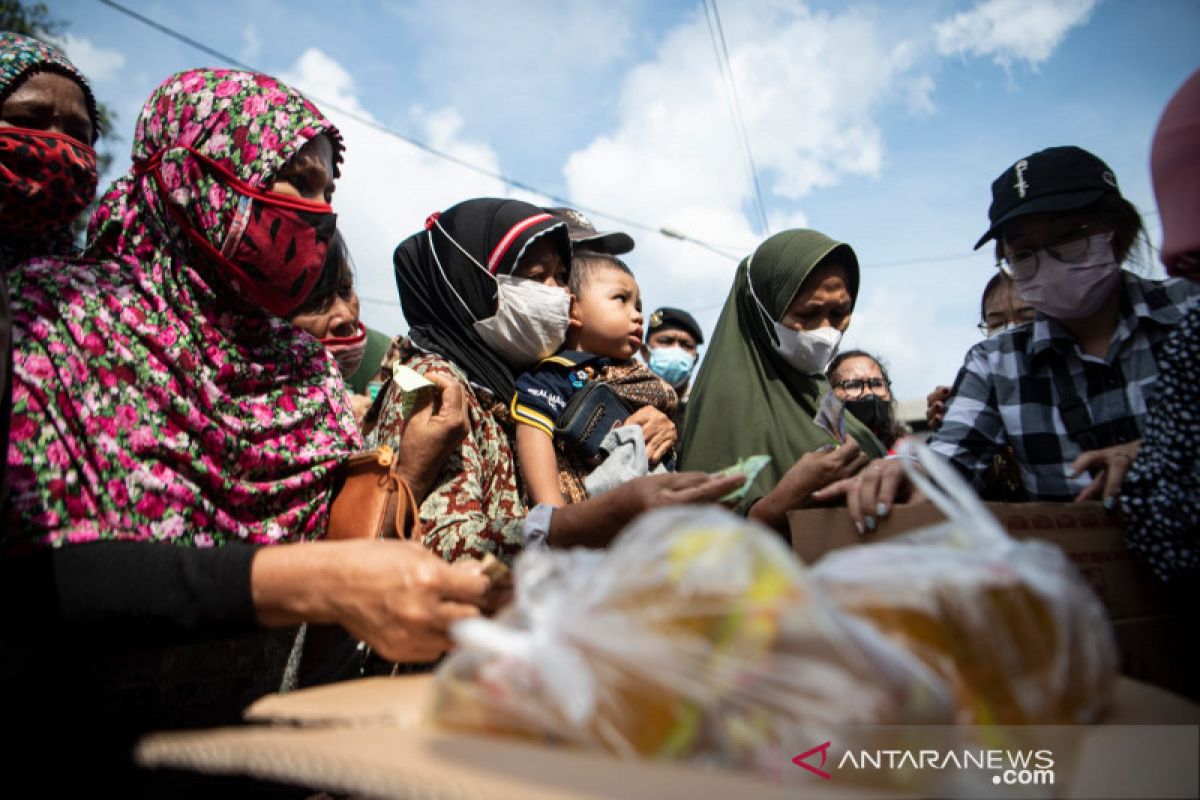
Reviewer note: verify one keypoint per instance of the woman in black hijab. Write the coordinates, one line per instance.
(484, 290)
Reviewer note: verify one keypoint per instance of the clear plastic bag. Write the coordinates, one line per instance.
(699, 635)
(696, 634)
(1012, 627)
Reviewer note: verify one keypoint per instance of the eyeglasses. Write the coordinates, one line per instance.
(855, 388)
(1071, 248)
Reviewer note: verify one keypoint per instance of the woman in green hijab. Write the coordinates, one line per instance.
(761, 384)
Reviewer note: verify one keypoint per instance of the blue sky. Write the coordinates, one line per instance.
(881, 124)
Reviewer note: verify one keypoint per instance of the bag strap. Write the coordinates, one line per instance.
(1074, 411)
(406, 501)
(406, 505)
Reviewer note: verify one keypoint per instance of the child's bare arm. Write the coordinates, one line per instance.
(535, 452)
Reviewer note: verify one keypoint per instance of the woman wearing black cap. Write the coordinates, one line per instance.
(484, 290)
(1078, 379)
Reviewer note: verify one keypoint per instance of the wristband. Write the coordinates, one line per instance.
(536, 527)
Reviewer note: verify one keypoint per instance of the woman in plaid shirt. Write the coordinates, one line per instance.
(1069, 392)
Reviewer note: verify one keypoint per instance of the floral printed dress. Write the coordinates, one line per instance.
(475, 506)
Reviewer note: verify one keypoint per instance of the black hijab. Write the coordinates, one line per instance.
(443, 292)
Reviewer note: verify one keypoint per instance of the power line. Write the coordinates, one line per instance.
(670, 233)
(433, 151)
(716, 32)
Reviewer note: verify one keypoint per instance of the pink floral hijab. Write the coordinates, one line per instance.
(151, 399)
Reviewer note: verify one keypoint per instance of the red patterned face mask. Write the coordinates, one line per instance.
(276, 246)
(46, 180)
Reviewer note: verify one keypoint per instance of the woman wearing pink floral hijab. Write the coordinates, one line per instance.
(168, 422)
(202, 417)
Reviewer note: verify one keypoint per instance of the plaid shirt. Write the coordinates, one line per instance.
(1008, 391)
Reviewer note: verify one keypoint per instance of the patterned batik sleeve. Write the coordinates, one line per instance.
(972, 431)
(1160, 496)
(475, 505)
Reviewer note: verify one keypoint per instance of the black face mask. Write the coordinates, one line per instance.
(875, 413)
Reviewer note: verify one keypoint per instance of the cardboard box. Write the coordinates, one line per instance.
(1155, 630)
(367, 738)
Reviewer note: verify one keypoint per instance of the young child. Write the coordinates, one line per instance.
(605, 332)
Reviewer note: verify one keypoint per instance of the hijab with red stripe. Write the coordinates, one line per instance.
(444, 287)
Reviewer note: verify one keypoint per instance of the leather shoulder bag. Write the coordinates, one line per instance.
(372, 501)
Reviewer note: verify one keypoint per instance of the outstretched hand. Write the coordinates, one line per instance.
(813, 471)
(871, 493)
(394, 595)
(681, 488)
(595, 521)
(402, 600)
(1108, 467)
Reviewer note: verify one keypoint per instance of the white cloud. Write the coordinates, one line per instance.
(811, 86)
(1012, 30)
(321, 78)
(536, 74)
(97, 64)
(389, 187)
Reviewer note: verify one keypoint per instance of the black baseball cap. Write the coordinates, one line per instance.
(667, 317)
(1054, 179)
(585, 236)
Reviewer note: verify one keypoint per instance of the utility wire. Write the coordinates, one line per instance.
(716, 32)
(663, 231)
(433, 151)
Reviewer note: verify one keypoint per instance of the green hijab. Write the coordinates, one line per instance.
(747, 400)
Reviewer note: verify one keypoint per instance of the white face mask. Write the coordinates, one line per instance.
(531, 318)
(530, 322)
(807, 352)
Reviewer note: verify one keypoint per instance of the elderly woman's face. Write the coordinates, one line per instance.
(309, 173)
(865, 377)
(823, 301)
(338, 321)
(48, 101)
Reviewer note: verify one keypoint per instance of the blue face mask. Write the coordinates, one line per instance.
(672, 364)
